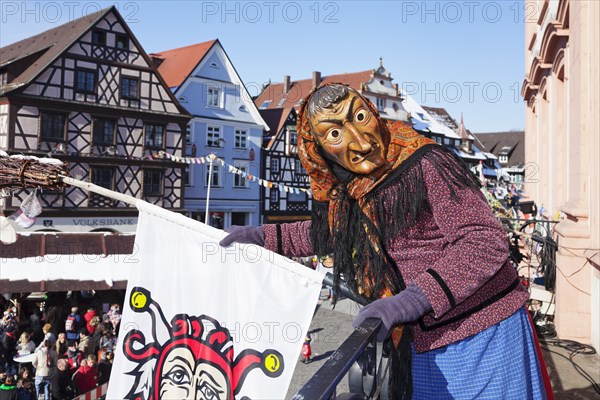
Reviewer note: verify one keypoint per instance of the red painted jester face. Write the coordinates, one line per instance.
(196, 363)
(183, 376)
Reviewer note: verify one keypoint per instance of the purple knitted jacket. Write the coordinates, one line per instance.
(457, 254)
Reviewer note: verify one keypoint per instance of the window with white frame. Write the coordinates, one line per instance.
(213, 96)
(241, 138)
(503, 159)
(298, 167)
(239, 179)
(274, 195)
(154, 136)
(216, 175)
(213, 136)
(274, 165)
(293, 138)
(380, 104)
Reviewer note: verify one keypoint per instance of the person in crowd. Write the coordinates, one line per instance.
(48, 335)
(86, 376)
(105, 324)
(61, 346)
(60, 379)
(85, 343)
(115, 317)
(73, 324)
(26, 384)
(88, 317)
(8, 349)
(74, 356)
(411, 232)
(107, 342)
(104, 367)
(45, 358)
(8, 390)
(2, 374)
(25, 345)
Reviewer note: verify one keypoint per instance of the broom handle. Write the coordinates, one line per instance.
(100, 190)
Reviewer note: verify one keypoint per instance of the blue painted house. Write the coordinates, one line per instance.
(225, 123)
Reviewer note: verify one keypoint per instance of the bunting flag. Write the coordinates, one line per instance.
(202, 321)
(233, 170)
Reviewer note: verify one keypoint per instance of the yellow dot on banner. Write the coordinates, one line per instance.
(138, 300)
(272, 362)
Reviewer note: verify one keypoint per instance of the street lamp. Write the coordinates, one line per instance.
(211, 159)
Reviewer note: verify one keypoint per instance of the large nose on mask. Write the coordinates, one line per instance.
(358, 141)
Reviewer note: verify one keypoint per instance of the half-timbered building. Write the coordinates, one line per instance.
(289, 201)
(225, 123)
(87, 93)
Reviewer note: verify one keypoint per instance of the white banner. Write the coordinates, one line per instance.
(205, 322)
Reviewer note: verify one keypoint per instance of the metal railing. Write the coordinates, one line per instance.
(359, 357)
(356, 357)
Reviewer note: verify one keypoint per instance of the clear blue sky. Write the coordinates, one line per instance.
(465, 56)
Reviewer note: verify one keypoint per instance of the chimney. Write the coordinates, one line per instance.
(396, 88)
(286, 84)
(316, 79)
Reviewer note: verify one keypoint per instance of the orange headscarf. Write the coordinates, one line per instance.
(401, 141)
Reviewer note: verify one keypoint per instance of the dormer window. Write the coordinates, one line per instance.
(503, 159)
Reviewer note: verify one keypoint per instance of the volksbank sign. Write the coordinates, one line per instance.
(69, 224)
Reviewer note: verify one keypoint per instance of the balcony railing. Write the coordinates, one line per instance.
(360, 359)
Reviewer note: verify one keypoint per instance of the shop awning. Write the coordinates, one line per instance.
(57, 262)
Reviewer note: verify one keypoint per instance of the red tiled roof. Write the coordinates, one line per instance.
(299, 89)
(179, 63)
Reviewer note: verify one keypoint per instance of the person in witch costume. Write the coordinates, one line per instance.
(410, 230)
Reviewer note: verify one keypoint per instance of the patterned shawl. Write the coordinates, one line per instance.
(347, 213)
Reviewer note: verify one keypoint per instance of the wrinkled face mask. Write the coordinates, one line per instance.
(349, 133)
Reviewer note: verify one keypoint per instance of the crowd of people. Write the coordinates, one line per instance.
(57, 353)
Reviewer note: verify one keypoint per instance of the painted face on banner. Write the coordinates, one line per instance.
(196, 363)
(183, 377)
(349, 133)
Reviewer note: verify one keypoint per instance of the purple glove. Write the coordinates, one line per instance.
(407, 306)
(244, 234)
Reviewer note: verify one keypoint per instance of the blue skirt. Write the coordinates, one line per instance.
(497, 363)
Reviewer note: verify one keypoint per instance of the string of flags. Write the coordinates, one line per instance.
(234, 170)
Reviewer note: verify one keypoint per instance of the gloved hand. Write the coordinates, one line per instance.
(244, 234)
(408, 305)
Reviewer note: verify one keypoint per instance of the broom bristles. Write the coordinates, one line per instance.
(21, 172)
